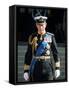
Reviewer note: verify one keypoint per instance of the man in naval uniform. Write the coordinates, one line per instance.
(38, 62)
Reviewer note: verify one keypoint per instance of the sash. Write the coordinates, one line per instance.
(41, 49)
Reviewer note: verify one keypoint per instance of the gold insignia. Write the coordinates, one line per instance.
(41, 38)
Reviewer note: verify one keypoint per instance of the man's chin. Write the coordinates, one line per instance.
(42, 33)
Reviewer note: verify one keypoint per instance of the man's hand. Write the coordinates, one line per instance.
(26, 76)
(57, 73)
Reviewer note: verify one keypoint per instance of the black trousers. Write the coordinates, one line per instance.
(42, 71)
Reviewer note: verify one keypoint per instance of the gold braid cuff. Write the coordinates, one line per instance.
(26, 67)
(57, 64)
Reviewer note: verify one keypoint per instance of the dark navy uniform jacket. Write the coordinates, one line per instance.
(51, 41)
(51, 47)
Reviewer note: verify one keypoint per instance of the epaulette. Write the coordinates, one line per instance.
(50, 33)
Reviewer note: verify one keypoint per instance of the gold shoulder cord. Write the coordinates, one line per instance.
(33, 42)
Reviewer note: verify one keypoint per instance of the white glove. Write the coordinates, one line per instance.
(57, 73)
(26, 76)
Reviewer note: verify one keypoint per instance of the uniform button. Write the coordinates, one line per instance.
(48, 52)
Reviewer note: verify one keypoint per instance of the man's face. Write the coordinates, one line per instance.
(41, 27)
